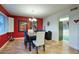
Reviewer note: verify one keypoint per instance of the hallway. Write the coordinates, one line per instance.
(52, 47)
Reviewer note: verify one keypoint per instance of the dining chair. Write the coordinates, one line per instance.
(40, 40)
(26, 38)
(30, 31)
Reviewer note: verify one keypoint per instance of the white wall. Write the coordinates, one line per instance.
(52, 27)
(54, 23)
(73, 28)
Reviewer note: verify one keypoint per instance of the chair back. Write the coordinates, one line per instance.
(40, 37)
(30, 32)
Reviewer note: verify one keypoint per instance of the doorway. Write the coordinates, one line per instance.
(64, 29)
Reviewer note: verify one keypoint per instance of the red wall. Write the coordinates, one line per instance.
(2, 9)
(21, 34)
(16, 33)
(40, 24)
(4, 37)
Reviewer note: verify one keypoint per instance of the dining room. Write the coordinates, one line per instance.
(34, 29)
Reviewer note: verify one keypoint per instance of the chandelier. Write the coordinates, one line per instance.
(32, 19)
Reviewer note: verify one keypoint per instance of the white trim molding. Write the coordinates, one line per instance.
(4, 45)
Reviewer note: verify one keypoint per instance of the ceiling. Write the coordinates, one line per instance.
(35, 10)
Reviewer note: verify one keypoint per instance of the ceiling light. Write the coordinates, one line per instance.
(30, 19)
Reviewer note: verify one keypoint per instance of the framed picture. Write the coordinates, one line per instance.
(22, 25)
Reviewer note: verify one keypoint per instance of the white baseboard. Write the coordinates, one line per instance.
(4, 45)
(19, 38)
(74, 47)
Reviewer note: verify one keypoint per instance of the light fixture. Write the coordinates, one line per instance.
(32, 19)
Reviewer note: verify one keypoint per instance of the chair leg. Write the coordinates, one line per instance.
(44, 47)
(33, 45)
(25, 44)
(29, 45)
(37, 50)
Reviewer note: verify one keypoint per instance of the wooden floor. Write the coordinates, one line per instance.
(52, 47)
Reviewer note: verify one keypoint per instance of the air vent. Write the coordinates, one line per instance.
(74, 9)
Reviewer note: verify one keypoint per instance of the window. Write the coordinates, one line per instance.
(3, 23)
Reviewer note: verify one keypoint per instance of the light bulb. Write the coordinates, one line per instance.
(30, 19)
(34, 19)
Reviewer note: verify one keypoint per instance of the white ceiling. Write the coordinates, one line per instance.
(35, 10)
